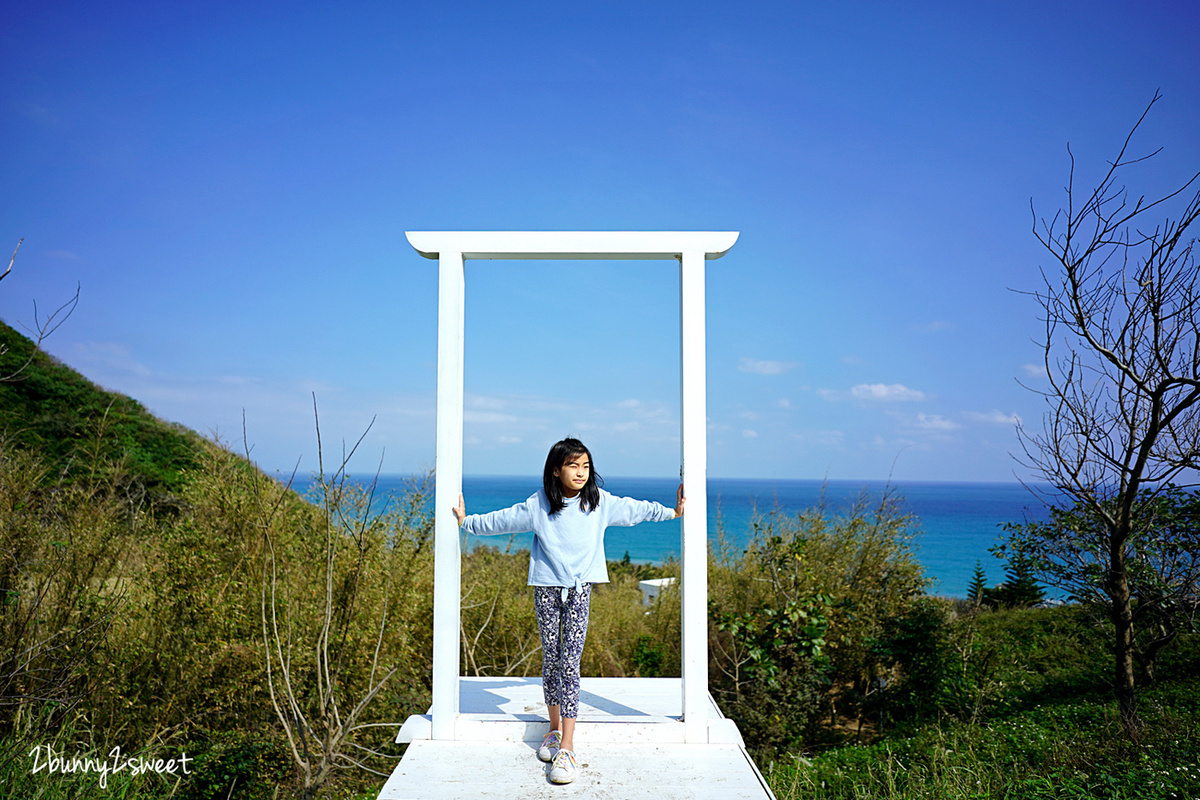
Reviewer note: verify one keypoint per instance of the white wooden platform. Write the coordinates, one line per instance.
(629, 741)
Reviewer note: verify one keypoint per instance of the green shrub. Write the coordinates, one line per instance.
(647, 657)
(925, 682)
(499, 634)
(802, 603)
(1048, 745)
(235, 764)
(64, 562)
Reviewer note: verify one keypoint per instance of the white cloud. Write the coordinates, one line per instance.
(994, 417)
(829, 438)
(825, 438)
(487, 417)
(886, 392)
(1034, 370)
(483, 401)
(832, 438)
(749, 434)
(783, 402)
(97, 357)
(936, 422)
(765, 367)
(273, 419)
(647, 411)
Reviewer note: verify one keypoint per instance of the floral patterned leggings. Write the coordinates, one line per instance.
(562, 616)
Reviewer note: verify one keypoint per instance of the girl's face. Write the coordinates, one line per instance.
(574, 474)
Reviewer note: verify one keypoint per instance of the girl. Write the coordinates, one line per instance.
(568, 517)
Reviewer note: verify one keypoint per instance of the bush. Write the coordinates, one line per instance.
(499, 633)
(925, 680)
(65, 557)
(1063, 752)
(144, 628)
(799, 607)
(235, 764)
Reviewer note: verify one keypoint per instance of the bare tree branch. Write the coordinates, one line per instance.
(13, 259)
(356, 588)
(1121, 349)
(41, 328)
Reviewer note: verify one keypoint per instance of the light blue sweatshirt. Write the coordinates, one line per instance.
(568, 548)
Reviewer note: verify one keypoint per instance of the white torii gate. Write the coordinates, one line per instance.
(451, 249)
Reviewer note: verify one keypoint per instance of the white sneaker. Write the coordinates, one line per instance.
(550, 745)
(563, 769)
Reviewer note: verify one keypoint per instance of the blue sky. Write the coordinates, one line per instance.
(229, 185)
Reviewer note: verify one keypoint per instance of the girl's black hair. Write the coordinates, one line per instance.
(589, 496)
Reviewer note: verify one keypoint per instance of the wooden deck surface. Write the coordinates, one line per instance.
(628, 741)
(439, 770)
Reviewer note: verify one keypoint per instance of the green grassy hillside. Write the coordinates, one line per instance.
(75, 425)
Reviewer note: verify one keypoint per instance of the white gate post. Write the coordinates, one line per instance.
(451, 248)
(694, 440)
(447, 570)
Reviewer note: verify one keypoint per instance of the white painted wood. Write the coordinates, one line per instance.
(600, 699)
(650, 699)
(692, 248)
(501, 728)
(447, 570)
(659, 738)
(653, 589)
(616, 245)
(472, 770)
(610, 710)
(694, 433)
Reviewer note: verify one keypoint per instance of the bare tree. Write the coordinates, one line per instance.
(12, 260)
(41, 327)
(364, 568)
(1122, 355)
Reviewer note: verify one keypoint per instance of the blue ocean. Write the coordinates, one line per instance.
(957, 522)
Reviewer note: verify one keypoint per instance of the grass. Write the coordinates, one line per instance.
(1070, 747)
(64, 768)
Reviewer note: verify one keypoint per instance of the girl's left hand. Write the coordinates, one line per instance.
(679, 501)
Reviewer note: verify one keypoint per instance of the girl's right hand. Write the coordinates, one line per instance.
(460, 510)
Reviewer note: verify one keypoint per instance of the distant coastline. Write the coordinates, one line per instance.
(958, 521)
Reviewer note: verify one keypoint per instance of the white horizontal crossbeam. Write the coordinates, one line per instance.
(615, 245)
